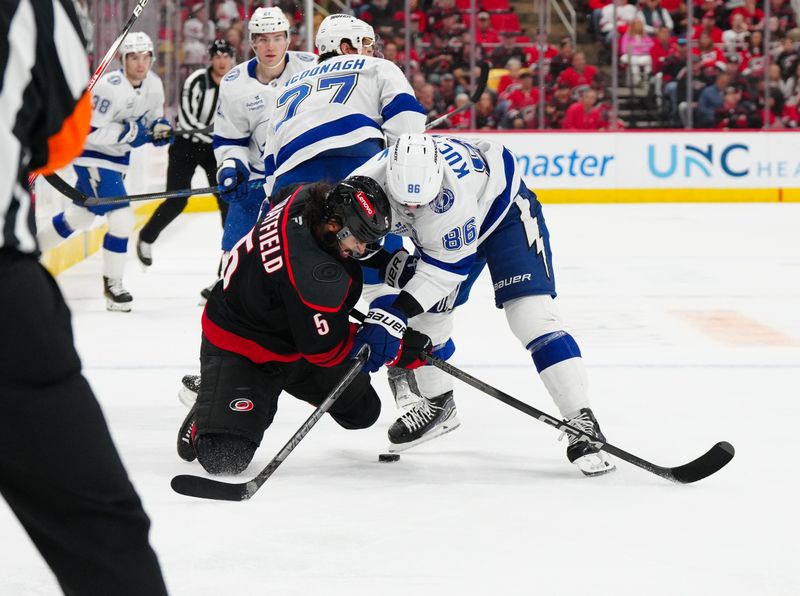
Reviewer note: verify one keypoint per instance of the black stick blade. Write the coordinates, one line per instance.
(206, 488)
(714, 460)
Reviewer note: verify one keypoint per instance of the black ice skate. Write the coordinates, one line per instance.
(186, 437)
(118, 299)
(190, 385)
(144, 250)
(589, 459)
(426, 420)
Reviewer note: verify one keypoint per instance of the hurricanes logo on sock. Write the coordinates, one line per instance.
(241, 405)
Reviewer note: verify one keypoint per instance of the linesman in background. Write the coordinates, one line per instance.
(198, 105)
(59, 469)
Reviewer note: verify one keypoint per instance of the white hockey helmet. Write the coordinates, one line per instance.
(268, 20)
(414, 170)
(338, 27)
(136, 42)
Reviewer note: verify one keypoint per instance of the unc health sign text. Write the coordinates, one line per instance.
(656, 160)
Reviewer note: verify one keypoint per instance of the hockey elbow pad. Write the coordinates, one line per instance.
(400, 269)
(232, 177)
(161, 132)
(134, 133)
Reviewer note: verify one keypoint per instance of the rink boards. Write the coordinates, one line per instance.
(561, 167)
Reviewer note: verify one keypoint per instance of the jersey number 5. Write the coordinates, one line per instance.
(321, 324)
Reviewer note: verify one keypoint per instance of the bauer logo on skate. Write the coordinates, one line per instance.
(241, 405)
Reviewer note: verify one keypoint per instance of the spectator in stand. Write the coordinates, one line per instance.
(225, 14)
(563, 59)
(625, 14)
(681, 90)
(710, 55)
(461, 64)
(484, 33)
(198, 33)
(235, 36)
(579, 73)
(514, 68)
(557, 106)
(753, 61)
(427, 99)
(380, 15)
(521, 94)
(634, 51)
(664, 45)
(462, 120)
(793, 84)
(543, 47)
(780, 115)
(419, 21)
(736, 113)
(787, 13)
(509, 48)
(451, 25)
(486, 114)
(584, 114)
(654, 17)
(710, 100)
(440, 56)
(738, 80)
(753, 15)
(775, 81)
(446, 97)
(708, 24)
(735, 38)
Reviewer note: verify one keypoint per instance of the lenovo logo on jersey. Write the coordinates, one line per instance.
(364, 202)
(241, 405)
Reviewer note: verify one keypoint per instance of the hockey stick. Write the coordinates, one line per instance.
(193, 131)
(208, 488)
(101, 68)
(707, 464)
(73, 194)
(480, 87)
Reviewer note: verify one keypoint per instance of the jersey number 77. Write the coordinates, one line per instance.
(342, 86)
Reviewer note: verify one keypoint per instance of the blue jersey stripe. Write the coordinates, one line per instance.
(461, 267)
(335, 128)
(223, 141)
(402, 102)
(503, 200)
(120, 159)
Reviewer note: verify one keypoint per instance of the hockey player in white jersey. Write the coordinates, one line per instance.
(127, 112)
(334, 116)
(246, 100)
(464, 205)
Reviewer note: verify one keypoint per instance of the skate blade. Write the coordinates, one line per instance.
(448, 426)
(595, 464)
(187, 397)
(112, 306)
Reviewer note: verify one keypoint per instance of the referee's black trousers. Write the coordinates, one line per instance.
(59, 469)
(184, 157)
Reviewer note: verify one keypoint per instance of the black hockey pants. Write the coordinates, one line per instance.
(184, 157)
(59, 469)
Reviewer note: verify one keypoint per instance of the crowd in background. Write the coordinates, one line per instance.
(727, 61)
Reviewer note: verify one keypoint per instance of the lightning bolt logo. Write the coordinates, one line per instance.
(531, 224)
(94, 181)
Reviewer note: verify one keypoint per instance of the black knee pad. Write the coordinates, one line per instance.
(224, 454)
(362, 413)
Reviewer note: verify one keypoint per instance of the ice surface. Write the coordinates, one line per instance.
(689, 321)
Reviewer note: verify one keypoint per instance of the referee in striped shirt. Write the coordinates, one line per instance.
(59, 470)
(198, 104)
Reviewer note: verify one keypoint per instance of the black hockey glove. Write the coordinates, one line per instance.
(412, 348)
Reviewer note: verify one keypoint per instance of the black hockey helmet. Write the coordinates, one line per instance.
(361, 206)
(221, 46)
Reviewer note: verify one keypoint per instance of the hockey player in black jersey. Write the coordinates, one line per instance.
(278, 321)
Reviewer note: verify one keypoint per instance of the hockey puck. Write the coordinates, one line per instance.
(387, 457)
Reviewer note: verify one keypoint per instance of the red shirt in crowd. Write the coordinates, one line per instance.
(751, 18)
(576, 118)
(573, 78)
(519, 98)
(709, 58)
(715, 33)
(532, 54)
